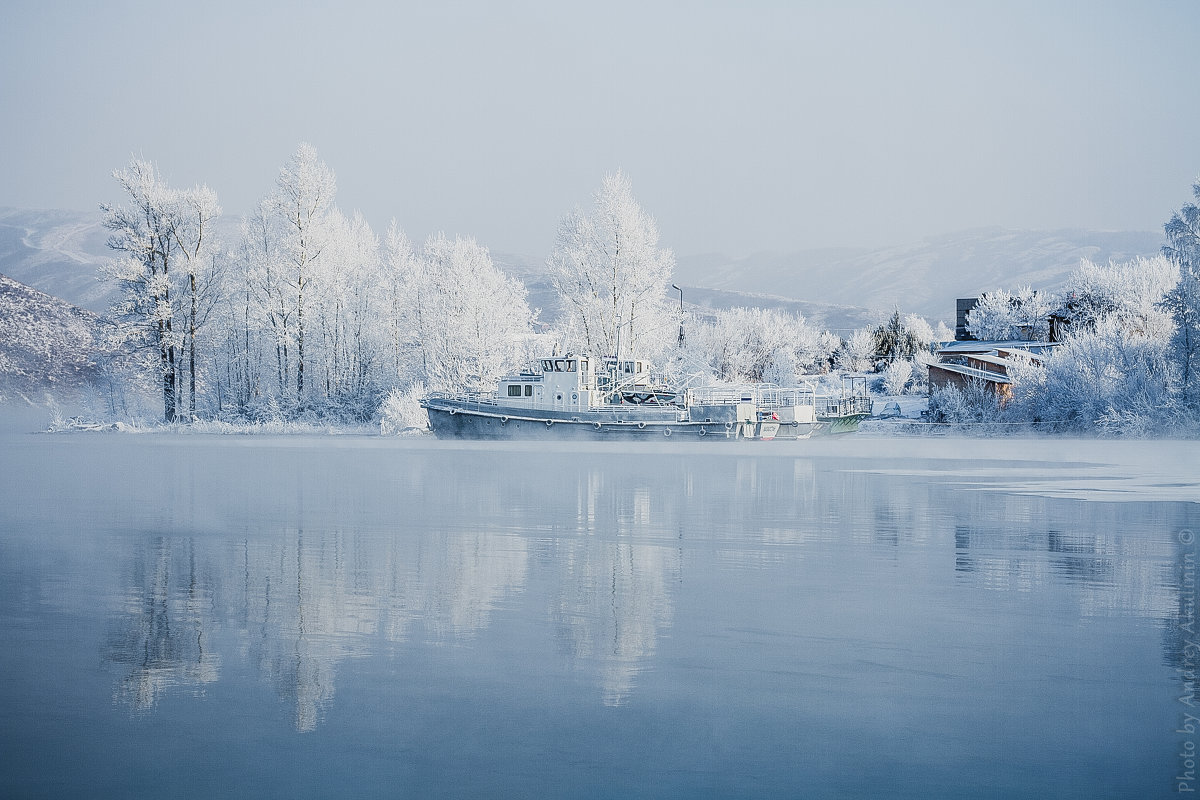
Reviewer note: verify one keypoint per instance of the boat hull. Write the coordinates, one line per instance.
(458, 420)
(839, 425)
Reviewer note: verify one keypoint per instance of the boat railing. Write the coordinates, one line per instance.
(487, 402)
(766, 395)
(844, 406)
(466, 398)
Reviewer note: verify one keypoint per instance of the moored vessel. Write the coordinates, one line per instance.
(602, 398)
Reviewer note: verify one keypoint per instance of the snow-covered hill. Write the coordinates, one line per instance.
(924, 277)
(60, 253)
(47, 345)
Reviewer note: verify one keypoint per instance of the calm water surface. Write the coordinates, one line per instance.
(315, 617)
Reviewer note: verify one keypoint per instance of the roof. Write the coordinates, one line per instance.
(971, 372)
(1035, 348)
(990, 359)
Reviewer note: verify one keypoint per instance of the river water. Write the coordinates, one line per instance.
(201, 616)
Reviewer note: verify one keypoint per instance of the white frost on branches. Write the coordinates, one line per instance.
(474, 316)
(612, 276)
(1022, 315)
(857, 353)
(756, 344)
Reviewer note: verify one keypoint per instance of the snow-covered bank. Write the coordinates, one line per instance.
(214, 427)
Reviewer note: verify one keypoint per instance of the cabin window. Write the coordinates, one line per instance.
(639, 366)
(528, 390)
(547, 365)
(514, 390)
(571, 366)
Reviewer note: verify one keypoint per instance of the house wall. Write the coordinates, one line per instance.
(939, 377)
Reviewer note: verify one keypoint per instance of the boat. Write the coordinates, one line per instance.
(841, 413)
(601, 398)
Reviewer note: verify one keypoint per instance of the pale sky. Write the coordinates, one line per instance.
(744, 126)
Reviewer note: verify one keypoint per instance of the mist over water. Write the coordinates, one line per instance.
(356, 616)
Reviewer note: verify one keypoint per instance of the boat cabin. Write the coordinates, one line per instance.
(572, 382)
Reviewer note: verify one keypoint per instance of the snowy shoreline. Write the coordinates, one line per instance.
(902, 427)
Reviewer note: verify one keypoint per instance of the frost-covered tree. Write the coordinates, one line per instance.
(1183, 301)
(196, 210)
(1131, 292)
(856, 353)
(407, 307)
(612, 276)
(143, 232)
(744, 344)
(306, 304)
(1103, 376)
(346, 312)
(756, 344)
(896, 376)
(1032, 313)
(302, 201)
(897, 341)
(239, 338)
(468, 319)
(921, 333)
(920, 367)
(271, 305)
(1021, 315)
(992, 319)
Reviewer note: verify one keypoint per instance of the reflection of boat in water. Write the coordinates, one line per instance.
(581, 397)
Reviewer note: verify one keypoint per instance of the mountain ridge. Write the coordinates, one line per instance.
(60, 252)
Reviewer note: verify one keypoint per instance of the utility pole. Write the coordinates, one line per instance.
(676, 288)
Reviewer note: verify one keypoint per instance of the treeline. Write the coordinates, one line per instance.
(308, 315)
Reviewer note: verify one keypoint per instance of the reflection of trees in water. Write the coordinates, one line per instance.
(161, 637)
(1112, 553)
(613, 570)
(612, 603)
(456, 536)
(300, 604)
(300, 607)
(1181, 634)
(315, 600)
